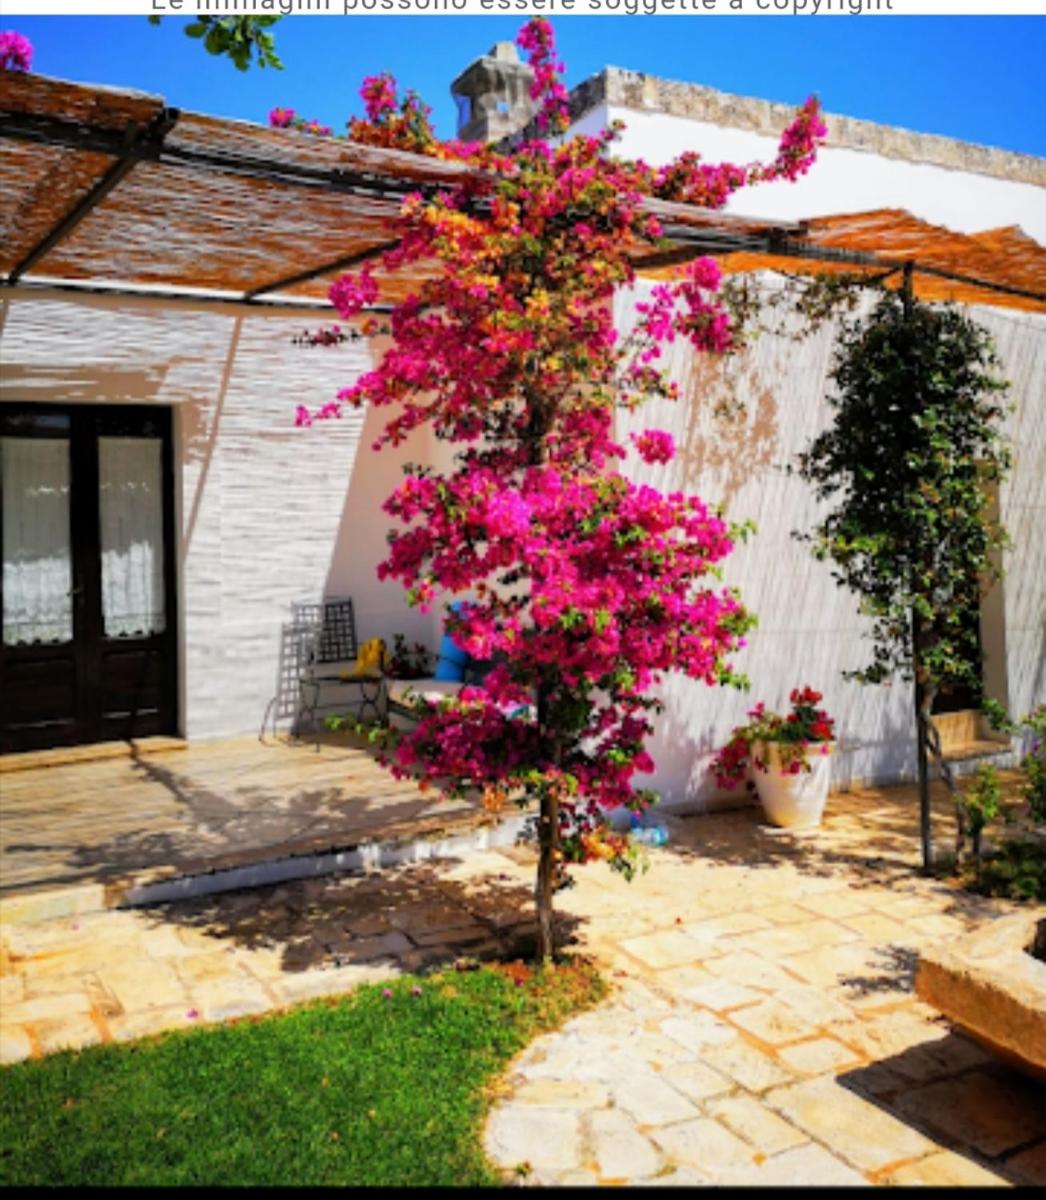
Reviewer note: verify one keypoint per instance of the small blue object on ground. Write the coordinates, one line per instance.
(650, 835)
(452, 660)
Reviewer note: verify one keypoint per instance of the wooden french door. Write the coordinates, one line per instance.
(89, 646)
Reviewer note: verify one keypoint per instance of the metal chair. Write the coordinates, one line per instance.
(333, 640)
(296, 653)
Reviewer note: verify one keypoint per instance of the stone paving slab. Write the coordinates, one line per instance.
(761, 1029)
(112, 976)
(805, 1057)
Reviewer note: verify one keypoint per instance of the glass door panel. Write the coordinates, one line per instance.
(131, 527)
(37, 566)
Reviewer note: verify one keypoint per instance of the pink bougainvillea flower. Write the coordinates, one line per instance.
(281, 118)
(350, 293)
(379, 95)
(537, 38)
(655, 446)
(16, 51)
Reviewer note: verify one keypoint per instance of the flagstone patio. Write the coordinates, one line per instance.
(761, 1028)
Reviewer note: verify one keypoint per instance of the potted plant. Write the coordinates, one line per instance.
(408, 660)
(785, 758)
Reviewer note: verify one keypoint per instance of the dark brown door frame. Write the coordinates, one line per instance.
(94, 655)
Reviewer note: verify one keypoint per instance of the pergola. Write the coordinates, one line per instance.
(114, 191)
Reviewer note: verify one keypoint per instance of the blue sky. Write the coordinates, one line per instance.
(975, 78)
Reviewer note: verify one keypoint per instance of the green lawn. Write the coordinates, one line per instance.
(373, 1089)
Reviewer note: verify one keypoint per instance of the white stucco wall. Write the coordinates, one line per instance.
(809, 630)
(1021, 345)
(266, 513)
(843, 180)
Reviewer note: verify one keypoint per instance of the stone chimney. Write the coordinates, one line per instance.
(493, 96)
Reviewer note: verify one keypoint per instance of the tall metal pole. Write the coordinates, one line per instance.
(922, 716)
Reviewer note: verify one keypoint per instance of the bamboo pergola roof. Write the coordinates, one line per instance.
(1004, 267)
(115, 191)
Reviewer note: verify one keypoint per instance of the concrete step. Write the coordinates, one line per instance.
(454, 838)
(63, 756)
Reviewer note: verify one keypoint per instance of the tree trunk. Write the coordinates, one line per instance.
(923, 703)
(925, 827)
(947, 776)
(548, 844)
(548, 839)
(944, 770)
(548, 818)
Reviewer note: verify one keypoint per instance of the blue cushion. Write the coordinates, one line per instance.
(450, 665)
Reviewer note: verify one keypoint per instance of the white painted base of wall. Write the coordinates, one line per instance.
(372, 856)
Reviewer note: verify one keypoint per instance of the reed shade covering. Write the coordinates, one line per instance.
(109, 188)
(1006, 258)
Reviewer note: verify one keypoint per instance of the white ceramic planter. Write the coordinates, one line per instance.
(793, 801)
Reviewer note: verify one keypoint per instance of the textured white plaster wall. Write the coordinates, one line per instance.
(841, 181)
(267, 514)
(1021, 345)
(809, 629)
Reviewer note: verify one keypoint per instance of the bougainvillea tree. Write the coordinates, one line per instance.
(582, 587)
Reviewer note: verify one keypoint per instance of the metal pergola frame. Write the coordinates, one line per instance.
(717, 234)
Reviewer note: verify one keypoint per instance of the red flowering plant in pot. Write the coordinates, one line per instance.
(408, 660)
(785, 758)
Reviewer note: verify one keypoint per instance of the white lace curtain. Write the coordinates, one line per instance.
(38, 576)
(131, 519)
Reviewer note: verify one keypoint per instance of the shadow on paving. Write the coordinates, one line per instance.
(227, 820)
(413, 916)
(988, 1112)
(870, 838)
(894, 970)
